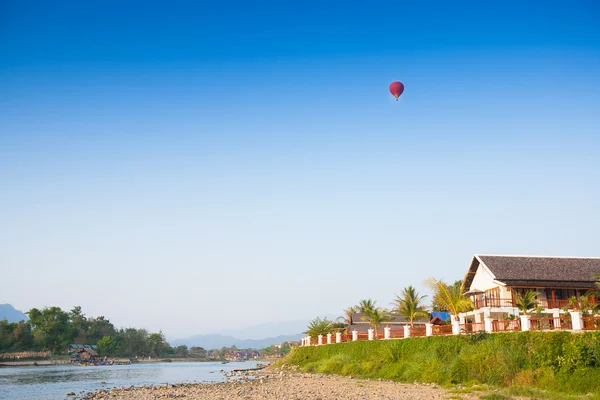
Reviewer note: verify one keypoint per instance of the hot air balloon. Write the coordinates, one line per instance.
(396, 89)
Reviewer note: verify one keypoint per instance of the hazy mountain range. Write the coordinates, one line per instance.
(11, 314)
(216, 341)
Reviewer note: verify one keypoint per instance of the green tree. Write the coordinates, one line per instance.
(181, 351)
(436, 302)
(157, 344)
(408, 304)
(55, 326)
(107, 345)
(526, 302)
(366, 306)
(451, 298)
(198, 352)
(98, 328)
(318, 327)
(80, 324)
(376, 316)
(348, 315)
(132, 342)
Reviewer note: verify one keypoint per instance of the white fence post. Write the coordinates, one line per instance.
(556, 318)
(406, 331)
(487, 322)
(455, 327)
(338, 337)
(576, 320)
(320, 340)
(428, 329)
(386, 332)
(371, 335)
(329, 338)
(525, 323)
(354, 335)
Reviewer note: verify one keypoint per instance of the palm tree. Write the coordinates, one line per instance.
(526, 302)
(366, 306)
(408, 304)
(348, 315)
(376, 317)
(451, 297)
(347, 319)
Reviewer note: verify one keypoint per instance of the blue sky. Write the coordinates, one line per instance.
(208, 166)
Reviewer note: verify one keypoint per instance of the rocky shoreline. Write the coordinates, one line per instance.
(281, 384)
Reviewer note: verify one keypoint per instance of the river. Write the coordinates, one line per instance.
(54, 382)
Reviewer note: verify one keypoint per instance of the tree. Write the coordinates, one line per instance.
(526, 302)
(450, 297)
(54, 324)
(408, 304)
(107, 345)
(157, 344)
(198, 351)
(98, 328)
(366, 306)
(348, 315)
(132, 342)
(376, 317)
(318, 327)
(436, 303)
(181, 351)
(79, 323)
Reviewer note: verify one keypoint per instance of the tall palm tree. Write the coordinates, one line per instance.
(526, 302)
(408, 304)
(451, 297)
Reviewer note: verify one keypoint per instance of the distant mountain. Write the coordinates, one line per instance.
(11, 314)
(269, 329)
(216, 341)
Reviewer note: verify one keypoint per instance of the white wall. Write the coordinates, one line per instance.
(482, 280)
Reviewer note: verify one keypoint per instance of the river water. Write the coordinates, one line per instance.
(54, 382)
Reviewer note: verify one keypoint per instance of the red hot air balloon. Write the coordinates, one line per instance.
(396, 89)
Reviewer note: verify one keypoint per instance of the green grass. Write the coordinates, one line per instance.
(558, 362)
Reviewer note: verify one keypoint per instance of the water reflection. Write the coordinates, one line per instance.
(55, 381)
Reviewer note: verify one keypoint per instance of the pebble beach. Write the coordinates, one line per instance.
(284, 385)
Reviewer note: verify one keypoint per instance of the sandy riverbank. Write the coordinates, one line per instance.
(277, 384)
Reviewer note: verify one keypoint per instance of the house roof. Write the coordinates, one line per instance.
(538, 271)
(396, 319)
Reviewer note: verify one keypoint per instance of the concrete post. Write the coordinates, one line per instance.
(461, 319)
(487, 322)
(576, 320)
(320, 339)
(406, 331)
(329, 338)
(371, 334)
(354, 335)
(556, 317)
(455, 327)
(428, 329)
(338, 337)
(525, 322)
(478, 317)
(386, 332)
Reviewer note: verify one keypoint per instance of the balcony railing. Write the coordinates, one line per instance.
(509, 303)
(493, 302)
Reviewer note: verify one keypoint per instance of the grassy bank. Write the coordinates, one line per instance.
(556, 361)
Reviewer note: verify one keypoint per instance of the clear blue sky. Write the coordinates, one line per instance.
(196, 166)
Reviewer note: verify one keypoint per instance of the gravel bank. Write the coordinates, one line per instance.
(285, 385)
